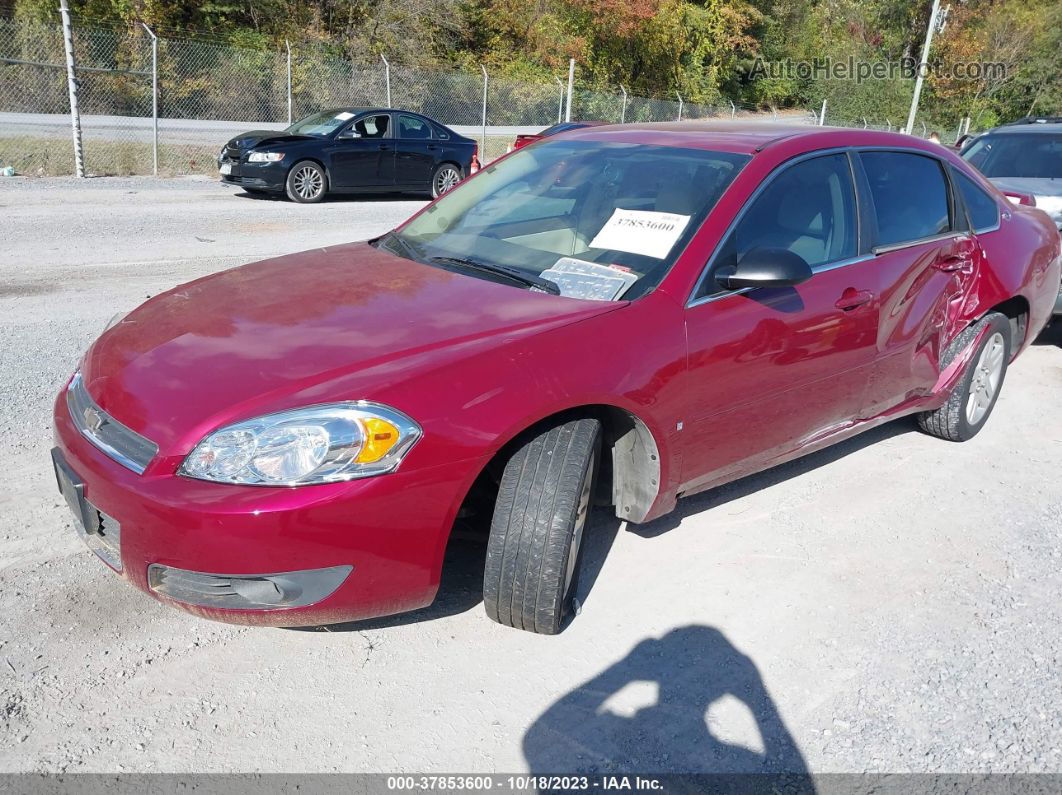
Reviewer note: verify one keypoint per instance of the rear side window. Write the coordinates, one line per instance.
(984, 214)
(412, 127)
(910, 196)
(808, 209)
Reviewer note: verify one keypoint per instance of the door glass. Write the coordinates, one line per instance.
(808, 209)
(910, 196)
(373, 126)
(412, 127)
(984, 214)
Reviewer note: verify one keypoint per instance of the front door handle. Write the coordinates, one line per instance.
(853, 299)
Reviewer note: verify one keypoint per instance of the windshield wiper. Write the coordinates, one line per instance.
(514, 274)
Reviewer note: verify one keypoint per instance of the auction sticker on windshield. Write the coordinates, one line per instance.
(578, 278)
(641, 232)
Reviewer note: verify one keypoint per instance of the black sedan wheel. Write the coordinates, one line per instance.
(306, 183)
(445, 178)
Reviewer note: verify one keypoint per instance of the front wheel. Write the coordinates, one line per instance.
(537, 531)
(444, 179)
(974, 397)
(306, 183)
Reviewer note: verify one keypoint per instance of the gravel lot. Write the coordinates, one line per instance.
(891, 604)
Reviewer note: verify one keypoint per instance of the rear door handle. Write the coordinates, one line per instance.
(853, 299)
(953, 262)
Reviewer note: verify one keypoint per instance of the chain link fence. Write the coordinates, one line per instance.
(208, 92)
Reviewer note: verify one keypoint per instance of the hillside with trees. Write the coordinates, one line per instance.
(706, 49)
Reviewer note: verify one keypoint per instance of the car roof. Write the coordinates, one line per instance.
(741, 137)
(1023, 128)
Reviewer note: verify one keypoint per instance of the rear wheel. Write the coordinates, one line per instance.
(536, 534)
(974, 397)
(444, 179)
(306, 183)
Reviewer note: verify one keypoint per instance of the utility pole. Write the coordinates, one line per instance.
(154, 100)
(71, 84)
(930, 30)
(571, 88)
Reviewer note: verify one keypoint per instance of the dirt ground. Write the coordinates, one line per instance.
(890, 604)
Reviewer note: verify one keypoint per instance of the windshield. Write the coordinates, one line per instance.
(600, 220)
(1037, 155)
(321, 124)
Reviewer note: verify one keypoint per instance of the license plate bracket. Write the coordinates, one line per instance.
(73, 490)
(226, 169)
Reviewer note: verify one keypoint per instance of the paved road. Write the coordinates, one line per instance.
(891, 604)
(174, 131)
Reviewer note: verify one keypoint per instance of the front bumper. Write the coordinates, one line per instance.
(257, 176)
(387, 534)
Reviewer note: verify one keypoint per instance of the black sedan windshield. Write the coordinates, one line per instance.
(321, 124)
(1017, 155)
(600, 220)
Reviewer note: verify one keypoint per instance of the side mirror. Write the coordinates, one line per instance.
(1017, 197)
(348, 134)
(765, 267)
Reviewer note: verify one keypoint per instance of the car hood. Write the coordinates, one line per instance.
(1047, 192)
(249, 140)
(247, 341)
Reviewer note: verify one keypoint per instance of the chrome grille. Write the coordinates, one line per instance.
(123, 444)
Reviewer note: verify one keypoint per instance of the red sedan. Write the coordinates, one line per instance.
(623, 314)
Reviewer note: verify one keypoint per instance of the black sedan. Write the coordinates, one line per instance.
(349, 150)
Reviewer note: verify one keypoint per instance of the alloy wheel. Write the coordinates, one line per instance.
(445, 180)
(308, 182)
(582, 511)
(987, 375)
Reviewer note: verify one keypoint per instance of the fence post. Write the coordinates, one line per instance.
(287, 45)
(387, 77)
(154, 100)
(822, 114)
(623, 108)
(560, 101)
(571, 88)
(677, 94)
(733, 108)
(71, 85)
(484, 131)
(889, 123)
(925, 130)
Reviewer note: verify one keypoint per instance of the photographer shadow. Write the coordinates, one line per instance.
(705, 690)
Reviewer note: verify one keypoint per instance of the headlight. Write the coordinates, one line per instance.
(317, 444)
(265, 157)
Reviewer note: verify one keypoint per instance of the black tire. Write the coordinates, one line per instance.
(536, 534)
(953, 420)
(307, 182)
(444, 179)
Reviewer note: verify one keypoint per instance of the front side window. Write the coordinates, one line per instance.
(910, 196)
(373, 126)
(984, 214)
(1035, 155)
(601, 220)
(809, 209)
(412, 127)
